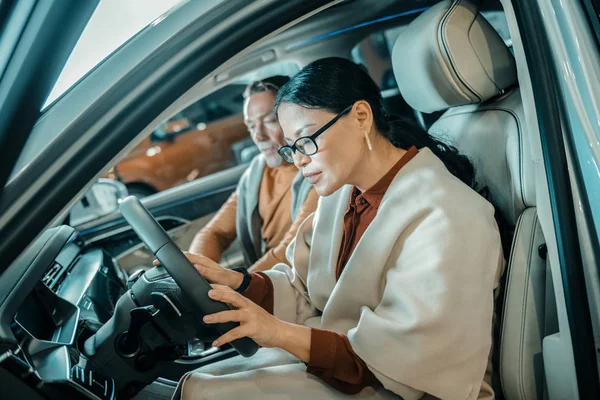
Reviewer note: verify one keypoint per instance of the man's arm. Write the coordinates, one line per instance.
(277, 254)
(219, 233)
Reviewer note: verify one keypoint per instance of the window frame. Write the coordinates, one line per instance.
(557, 150)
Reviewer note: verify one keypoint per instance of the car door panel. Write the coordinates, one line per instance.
(182, 211)
(139, 256)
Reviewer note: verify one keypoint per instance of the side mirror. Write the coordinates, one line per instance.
(101, 199)
(162, 137)
(178, 126)
(168, 131)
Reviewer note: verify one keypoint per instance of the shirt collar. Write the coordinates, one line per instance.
(374, 195)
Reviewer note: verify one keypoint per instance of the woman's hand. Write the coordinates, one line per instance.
(213, 272)
(258, 324)
(255, 322)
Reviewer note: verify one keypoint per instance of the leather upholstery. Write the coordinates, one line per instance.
(491, 135)
(450, 55)
(524, 313)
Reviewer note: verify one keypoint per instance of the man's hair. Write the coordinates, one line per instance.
(270, 84)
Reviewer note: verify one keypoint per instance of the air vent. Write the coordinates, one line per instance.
(52, 276)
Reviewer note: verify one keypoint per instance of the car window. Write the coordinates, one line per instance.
(373, 53)
(223, 103)
(207, 137)
(113, 23)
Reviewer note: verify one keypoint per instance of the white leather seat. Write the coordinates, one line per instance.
(450, 58)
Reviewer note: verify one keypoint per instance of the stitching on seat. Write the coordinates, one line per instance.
(443, 24)
(506, 295)
(521, 147)
(524, 310)
(477, 15)
(477, 54)
(520, 141)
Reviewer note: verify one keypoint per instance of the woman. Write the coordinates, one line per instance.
(393, 278)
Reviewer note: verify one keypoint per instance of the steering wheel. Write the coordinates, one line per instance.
(193, 285)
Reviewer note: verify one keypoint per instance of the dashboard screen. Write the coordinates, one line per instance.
(43, 312)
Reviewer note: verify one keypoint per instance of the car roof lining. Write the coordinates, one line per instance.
(319, 23)
(297, 44)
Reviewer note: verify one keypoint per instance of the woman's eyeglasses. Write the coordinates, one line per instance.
(307, 145)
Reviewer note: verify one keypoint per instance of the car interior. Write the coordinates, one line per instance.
(90, 315)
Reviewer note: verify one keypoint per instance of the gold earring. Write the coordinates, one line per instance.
(368, 140)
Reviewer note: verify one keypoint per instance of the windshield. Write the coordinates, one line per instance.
(112, 24)
(126, 51)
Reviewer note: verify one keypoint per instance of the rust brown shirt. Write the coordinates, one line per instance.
(274, 207)
(275, 203)
(331, 355)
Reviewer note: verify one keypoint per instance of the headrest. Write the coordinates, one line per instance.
(449, 56)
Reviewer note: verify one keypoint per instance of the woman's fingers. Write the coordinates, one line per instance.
(211, 271)
(202, 260)
(225, 316)
(220, 287)
(195, 259)
(230, 336)
(212, 275)
(228, 296)
(208, 273)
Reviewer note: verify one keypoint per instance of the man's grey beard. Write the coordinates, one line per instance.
(273, 162)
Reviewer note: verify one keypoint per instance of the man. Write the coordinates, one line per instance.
(272, 199)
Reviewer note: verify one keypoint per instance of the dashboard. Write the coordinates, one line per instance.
(90, 280)
(56, 295)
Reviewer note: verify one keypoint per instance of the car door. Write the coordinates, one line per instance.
(203, 155)
(36, 38)
(182, 211)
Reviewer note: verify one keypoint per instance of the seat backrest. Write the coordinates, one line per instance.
(450, 58)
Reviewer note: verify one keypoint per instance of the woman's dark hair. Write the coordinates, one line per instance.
(335, 83)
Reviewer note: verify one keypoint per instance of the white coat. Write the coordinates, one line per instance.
(416, 298)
